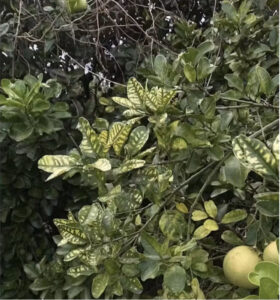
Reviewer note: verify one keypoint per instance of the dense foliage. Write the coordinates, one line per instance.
(159, 179)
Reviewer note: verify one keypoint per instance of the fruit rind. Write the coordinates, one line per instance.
(238, 263)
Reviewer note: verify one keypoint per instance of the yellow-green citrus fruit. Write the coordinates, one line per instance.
(238, 263)
(75, 6)
(271, 253)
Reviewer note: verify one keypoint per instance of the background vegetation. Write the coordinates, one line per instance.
(162, 174)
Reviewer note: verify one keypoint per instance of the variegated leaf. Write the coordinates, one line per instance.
(79, 271)
(90, 214)
(124, 102)
(73, 254)
(57, 164)
(90, 144)
(254, 155)
(137, 140)
(111, 195)
(158, 99)
(91, 258)
(129, 113)
(70, 217)
(101, 164)
(71, 233)
(146, 152)
(135, 93)
(103, 137)
(173, 225)
(130, 200)
(118, 135)
(130, 165)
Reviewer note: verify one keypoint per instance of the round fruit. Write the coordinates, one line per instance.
(238, 263)
(75, 6)
(271, 253)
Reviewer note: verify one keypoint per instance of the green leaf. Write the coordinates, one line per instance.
(211, 225)
(137, 140)
(40, 105)
(190, 72)
(254, 155)
(174, 279)
(130, 270)
(79, 271)
(210, 208)
(134, 285)
(200, 267)
(149, 269)
(130, 165)
(99, 284)
(117, 289)
(57, 164)
(268, 289)
(264, 269)
(266, 83)
(90, 144)
(199, 215)
(273, 196)
(235, 173)
(40, 284)
(173, 225)
(204, 68)
(20, 131)
(230, 10)
(160, 63)
(235, 81)
(234, 216)
(201, 232)
(151, 246)
(269, 208)
(231, 238)
(203, 48)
